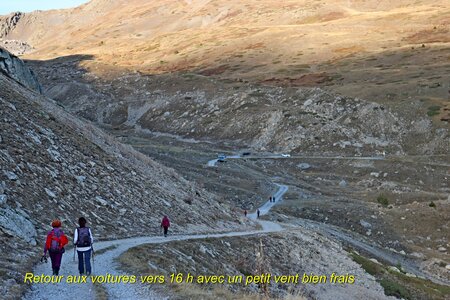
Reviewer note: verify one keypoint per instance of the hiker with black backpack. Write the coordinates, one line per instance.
(54, 244)
(83, 241)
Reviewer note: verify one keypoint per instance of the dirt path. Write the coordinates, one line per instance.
(213, 162)
(105, 263)
(384, 255)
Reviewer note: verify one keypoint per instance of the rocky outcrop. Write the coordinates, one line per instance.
(9, 22)
(16, 222)
(15, 68)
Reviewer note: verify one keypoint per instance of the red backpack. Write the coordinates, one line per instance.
(56, 241)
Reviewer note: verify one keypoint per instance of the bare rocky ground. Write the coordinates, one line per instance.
(300, 120)
(16, 47)
(55, 166)
(286, 253)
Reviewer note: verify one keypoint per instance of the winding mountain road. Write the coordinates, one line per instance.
(334, 232)
(213, 162)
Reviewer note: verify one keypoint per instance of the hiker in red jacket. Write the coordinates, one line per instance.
(165, 223)
(56, 240)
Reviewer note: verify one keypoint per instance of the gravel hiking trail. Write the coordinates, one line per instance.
(105, 264)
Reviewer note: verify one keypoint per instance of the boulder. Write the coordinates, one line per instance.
(393, 269)
(365, 224)
(11, 175)
(304, 166)
(16, 69)
(50, 193)
(14, 223)
(101, 200)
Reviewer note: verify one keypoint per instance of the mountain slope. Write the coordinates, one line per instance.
(152, 29)
(300, 120)
(391, 54)
(56, 166)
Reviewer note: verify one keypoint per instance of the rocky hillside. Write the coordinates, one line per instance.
(300, 120)
(56, 166)
(164, 66)
(180, 33)
(385, 51)
(8, 23)
(289, 253)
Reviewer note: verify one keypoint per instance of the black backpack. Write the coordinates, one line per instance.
(84, 237)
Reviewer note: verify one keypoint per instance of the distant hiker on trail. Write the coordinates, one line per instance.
(83, 241)
(257, 213)
(54, 244)
(245, 212)
(165, 223)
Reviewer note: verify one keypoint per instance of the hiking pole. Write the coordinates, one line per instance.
(74, 250)
(93, 264)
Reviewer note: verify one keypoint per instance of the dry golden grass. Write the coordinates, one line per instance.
(189, 291)
(142, 34)
(367, 49)
(135, 261)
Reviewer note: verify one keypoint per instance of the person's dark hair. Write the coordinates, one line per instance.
(82, 221)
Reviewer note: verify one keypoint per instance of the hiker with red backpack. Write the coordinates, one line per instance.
(83, 241)
(54, 244)
(165, 223)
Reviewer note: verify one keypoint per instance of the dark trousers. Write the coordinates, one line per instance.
(166, 228)
(84, 259)
(56, 258)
